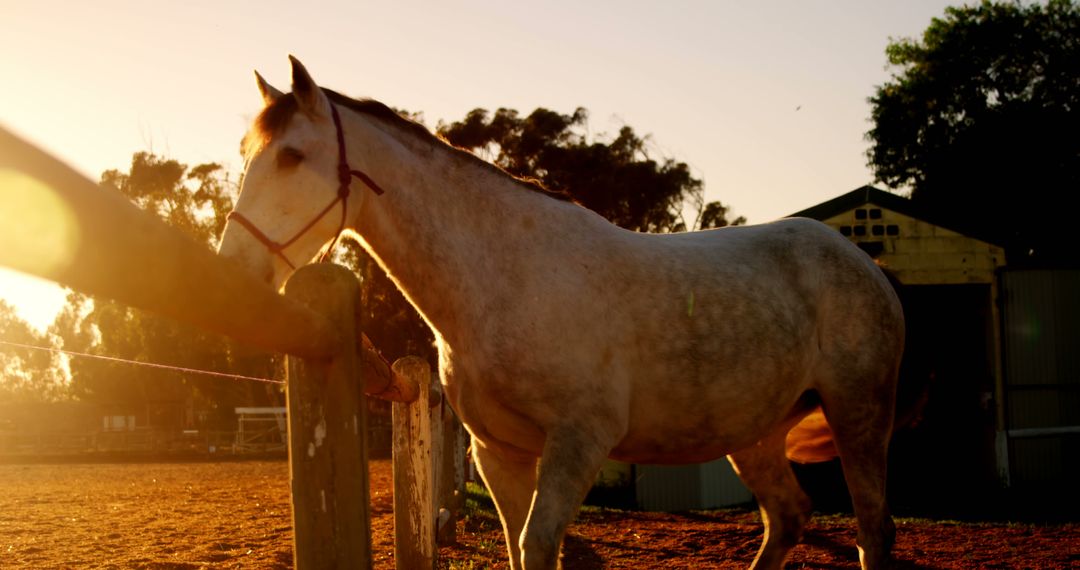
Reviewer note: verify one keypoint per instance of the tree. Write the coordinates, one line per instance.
(979, 122)
(618, 179)
(196, 201)
(26, 375)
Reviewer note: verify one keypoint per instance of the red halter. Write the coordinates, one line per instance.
(345, 175)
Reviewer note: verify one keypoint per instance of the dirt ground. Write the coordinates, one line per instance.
(236, 515)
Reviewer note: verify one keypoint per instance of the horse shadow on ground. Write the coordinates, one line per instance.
(579, 553)
(844, 547)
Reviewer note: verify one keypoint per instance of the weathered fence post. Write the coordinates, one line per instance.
(414, 472)
(450, 475)
(328, 467)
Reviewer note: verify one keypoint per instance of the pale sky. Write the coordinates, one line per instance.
(766, 101)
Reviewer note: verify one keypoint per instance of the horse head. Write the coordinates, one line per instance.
(295, 197)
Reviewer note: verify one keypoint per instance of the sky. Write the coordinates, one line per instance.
(766, 101)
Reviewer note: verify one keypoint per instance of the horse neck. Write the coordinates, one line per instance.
(447, 227)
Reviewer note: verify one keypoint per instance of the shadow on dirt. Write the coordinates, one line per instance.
(578, 553)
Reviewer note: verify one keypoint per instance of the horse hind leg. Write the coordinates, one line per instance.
(785, 508)
(862, 427)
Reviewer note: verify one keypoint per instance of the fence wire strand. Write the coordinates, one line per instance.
(144, 364)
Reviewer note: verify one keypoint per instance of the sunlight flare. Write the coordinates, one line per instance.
(39, 234)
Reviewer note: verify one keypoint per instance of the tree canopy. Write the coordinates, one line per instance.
(617, 179)
(979, 122)
(196, 201)
(26, 375)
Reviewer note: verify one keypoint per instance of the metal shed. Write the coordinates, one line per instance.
(1041, 335)
(689, 487)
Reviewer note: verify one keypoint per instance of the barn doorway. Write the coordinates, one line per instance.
(946, 461)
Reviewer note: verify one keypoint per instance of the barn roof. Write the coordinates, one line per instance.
(870, 195)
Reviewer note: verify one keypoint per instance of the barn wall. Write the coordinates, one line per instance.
(920, 253)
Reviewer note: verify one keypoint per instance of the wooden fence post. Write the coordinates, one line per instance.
(328, 467)
(450, 479)
(414, 472)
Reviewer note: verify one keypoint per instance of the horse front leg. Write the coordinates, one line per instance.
(569, 465)
(511, 484)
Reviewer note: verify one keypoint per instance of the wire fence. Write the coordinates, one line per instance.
(141, 363)
(145, 442)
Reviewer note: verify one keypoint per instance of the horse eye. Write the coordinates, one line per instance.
(289, 157)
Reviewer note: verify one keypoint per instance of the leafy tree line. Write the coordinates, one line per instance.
(28, 375)
(195, 201)
(980, 120)
(617, 179)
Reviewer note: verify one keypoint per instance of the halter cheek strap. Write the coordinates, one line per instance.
(345, 176)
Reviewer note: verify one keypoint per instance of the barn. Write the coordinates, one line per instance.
(991, 349)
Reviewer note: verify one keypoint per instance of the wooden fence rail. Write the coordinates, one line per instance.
(115, 250)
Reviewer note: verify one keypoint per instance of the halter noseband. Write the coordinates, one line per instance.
(345, 175)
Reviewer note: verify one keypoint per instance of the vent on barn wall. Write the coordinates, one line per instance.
(869, 222)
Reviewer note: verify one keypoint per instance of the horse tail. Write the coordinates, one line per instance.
(811, 440)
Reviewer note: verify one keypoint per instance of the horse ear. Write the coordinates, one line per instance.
(268, 92)
(312, 100)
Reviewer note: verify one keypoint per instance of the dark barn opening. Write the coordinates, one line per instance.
(946, 460)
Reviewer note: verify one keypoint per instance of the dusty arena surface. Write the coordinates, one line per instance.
(236, 515)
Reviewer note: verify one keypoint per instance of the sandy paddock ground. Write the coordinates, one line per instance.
(236, 515)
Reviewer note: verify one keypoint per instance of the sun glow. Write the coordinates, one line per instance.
(38, 234)
(35, 300)
(38, 231)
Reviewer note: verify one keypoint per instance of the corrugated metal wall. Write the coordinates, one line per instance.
(1041, 343)
(689, 487)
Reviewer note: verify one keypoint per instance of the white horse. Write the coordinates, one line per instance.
(564, 340)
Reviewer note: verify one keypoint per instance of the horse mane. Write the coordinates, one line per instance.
(275, 117)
